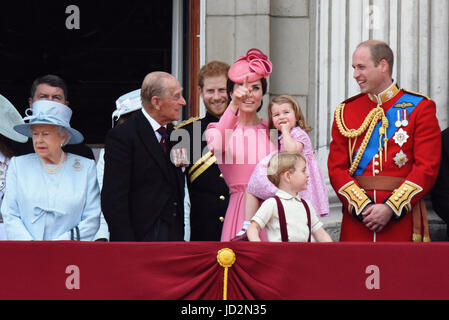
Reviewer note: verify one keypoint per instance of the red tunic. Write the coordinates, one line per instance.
(418, 169)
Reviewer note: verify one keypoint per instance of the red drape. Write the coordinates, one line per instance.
(37, 270)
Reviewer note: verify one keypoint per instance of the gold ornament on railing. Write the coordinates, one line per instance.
(226, 258)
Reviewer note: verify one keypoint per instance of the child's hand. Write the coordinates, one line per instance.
(253, 231)
(285, 127)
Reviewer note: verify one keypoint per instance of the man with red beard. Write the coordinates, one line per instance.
(209, 194)
(385, 153)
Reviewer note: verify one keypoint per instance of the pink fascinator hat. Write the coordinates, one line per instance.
(254, 65)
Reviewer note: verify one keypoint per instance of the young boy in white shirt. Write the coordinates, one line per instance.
(287, 171)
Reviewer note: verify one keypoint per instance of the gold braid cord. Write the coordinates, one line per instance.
(369, 124)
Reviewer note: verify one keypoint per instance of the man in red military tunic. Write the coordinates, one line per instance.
(385, 153)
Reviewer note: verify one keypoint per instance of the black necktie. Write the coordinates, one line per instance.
(164, 136)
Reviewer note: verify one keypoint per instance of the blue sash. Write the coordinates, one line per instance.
(373, 144)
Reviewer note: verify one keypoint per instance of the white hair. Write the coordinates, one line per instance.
(64, 132)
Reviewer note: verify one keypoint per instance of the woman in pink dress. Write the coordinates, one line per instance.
(241, 139)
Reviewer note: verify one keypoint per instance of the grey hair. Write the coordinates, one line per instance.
(64, 132)
(154, 85)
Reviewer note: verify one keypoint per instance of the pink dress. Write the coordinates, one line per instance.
(316, 192)
(238, 149)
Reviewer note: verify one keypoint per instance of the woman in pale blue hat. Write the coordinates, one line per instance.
(9, 118)
(51, 195)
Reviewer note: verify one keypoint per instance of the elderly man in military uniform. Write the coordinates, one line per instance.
(385, 153)
(209, 194)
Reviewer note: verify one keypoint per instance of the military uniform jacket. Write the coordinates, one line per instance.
(410, 157)
(209, 193)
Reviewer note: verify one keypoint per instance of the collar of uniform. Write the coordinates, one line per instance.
(386, 95)
(287, 196)
(210, 118)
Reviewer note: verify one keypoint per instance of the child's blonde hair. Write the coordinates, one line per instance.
(285, 98)
(280, 163)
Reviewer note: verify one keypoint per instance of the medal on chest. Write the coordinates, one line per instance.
(400, 137)
(401, 118)
(404, 118)
(400, 159)
(398, 122)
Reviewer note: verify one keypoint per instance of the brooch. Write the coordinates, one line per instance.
(403, 105)
(400, 159)
(77, 165)
(400, 137)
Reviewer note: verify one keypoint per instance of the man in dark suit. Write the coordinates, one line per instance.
(143, 191)
(440, 191)
(54, 88)
(209, 193)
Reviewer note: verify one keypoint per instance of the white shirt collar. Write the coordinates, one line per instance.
(154, 124)
(285, 195)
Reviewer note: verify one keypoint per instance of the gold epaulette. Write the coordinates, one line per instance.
(402, 196)
(416, 94)
(182, 124)
(352, 98)
(201, 165)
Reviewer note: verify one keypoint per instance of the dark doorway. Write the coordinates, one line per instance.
(116, 45)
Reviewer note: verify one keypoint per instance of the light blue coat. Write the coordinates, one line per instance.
(42, 206)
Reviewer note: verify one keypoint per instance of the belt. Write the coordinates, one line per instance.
(379, 183)
(419, 211)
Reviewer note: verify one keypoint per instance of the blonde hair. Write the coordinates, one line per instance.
(282, 162)
(286, 98)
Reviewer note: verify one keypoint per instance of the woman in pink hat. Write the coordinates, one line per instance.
(241, 139)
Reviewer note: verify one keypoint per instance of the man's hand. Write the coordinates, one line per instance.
(377, 216)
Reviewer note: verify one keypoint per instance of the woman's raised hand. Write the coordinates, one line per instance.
(240, 94)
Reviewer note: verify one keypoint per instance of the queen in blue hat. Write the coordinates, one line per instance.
(51, 195)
